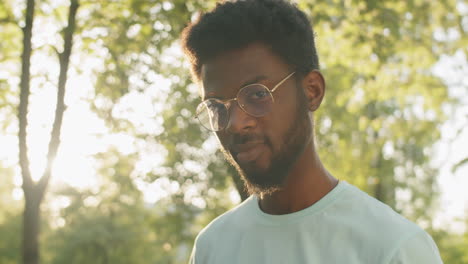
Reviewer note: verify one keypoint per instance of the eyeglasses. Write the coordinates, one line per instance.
(254, 99)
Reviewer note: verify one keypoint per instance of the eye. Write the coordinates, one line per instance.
(258, 94)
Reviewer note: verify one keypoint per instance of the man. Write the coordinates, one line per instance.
(258, 68)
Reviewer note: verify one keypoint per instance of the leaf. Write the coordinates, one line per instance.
(459, 164)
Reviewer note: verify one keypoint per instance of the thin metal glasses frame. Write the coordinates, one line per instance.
(227, 102)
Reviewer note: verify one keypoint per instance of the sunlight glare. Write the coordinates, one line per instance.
(17, 194)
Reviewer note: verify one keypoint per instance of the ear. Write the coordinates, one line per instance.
(314, 89)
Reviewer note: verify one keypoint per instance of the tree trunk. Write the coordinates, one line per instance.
(31, 216)
(34, 192)
(31, 227)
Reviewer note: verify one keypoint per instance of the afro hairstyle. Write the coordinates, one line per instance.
(234, 25)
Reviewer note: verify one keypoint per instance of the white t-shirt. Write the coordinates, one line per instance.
(345, 226)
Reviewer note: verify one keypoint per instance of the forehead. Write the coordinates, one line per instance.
(228, 72)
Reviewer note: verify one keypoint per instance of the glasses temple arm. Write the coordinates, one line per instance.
(282, 81)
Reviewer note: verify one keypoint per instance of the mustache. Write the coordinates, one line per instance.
(238, 139)
(245, 139)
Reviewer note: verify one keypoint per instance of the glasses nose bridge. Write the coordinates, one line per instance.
(228, 105)
(237, 117)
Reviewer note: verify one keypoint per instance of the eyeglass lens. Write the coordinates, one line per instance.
(255, 99)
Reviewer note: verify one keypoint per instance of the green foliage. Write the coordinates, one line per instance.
(112, 224)
(382, 106)
(107, 225)
(131, 37)
(10, 35)
(103, 235)
(452, 246)
(460, 164)
(10, 239)
(10, 219)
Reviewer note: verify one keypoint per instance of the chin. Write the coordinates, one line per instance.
(260, 167)
(257, 178)
(263, 180)
(259, 184)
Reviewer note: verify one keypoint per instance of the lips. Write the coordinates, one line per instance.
(248, 152)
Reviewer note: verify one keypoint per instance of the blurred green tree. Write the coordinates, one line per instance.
(452, 246)
(34, 191)
(105, 225)
(10, 219)
(383, 104)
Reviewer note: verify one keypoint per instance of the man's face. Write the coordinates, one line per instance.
(262, 149)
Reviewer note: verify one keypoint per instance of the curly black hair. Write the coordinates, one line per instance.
(235, 24)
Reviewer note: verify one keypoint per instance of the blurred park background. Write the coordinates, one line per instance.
(128, 175)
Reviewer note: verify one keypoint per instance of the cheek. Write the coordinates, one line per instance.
(280, 121)
(222, 139)
(275, 138)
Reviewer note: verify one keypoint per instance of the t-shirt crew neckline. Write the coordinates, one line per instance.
(321, 204)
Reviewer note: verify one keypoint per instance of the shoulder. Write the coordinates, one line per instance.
(386, 231)
(230, 221)
(416, 248)
(370, 213)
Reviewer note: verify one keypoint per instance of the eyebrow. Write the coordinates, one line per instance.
(253, 80)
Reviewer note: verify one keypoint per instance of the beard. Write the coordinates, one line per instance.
(266, 181)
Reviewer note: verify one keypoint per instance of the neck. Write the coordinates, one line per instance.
(307, 182)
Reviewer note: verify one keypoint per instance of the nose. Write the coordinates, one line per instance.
(239, 120)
